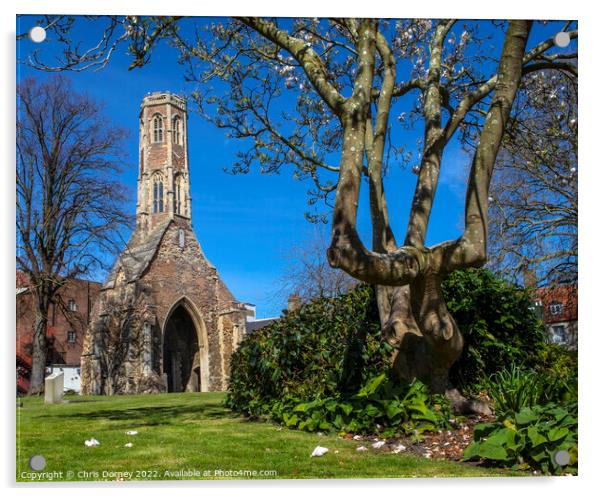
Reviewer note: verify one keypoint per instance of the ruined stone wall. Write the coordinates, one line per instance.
(231, 330)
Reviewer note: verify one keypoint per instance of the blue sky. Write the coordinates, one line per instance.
(246, 223)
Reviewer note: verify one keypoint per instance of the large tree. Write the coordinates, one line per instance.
(68, 202)
(318, 95)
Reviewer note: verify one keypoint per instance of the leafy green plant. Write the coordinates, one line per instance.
(380, 407)
(321, 366)
(558, 360)
(529, 438)
(514, 388)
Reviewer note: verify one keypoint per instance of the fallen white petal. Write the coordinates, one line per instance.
(128, 445)
(361, 448)
(399, 448)
(357, 437)
(319, 451)
(131, 433)
(378, 444)
(91, 442)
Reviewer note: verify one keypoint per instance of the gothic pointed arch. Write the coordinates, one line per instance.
(181, 313)
(178, 198)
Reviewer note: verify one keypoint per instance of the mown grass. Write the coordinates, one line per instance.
(196, 434)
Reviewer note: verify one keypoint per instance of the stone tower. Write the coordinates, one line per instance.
(164, 321)
(163, 179)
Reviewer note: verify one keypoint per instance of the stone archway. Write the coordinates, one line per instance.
(185, 366)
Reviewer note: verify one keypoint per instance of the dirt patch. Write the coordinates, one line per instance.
(443, 444)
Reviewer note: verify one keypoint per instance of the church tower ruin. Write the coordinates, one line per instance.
(164, 321)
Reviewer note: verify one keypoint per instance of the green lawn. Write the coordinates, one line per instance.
(195, 434)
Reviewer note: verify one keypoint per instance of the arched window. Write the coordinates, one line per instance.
(177, 130)
(157, 129)
(177, 198)
(157, 193)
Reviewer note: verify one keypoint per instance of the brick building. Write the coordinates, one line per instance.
(68, 317)
(164, 320)
(558, 308)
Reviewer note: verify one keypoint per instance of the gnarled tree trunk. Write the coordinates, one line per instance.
(416, 322)
(426, 351)
(413, 312)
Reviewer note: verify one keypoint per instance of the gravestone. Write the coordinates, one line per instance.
(53, 388)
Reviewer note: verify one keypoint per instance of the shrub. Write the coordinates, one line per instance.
(329, 347)
(529, 438)
(557, 360)
(497, 322)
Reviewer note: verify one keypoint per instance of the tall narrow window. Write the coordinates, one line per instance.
(161, 196)
(157, 193)
(177, 199)
(157, 129)
(177, 132)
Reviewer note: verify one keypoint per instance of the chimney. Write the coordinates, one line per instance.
(294, 302)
